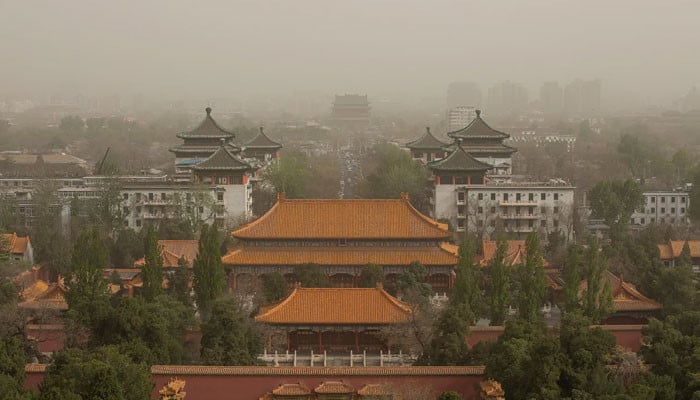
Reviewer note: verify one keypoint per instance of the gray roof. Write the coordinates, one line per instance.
(261, 141)
(427, 141)
(223, 159)
(459, 160)
(478, 129)
(207, 129)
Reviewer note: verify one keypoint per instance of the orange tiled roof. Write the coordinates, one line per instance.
(173, 250)
(52, 298)
(291, 389)
(311, 306)
(515, 253)
(34, 290)
(15, 244)
(351, 255)
(334, 387)
(626, 297)
(343, 219)
(674, 248)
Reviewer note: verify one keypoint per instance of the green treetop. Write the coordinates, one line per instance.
(152, 271)
(209, 276)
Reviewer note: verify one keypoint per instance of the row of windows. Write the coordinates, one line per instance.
(662, 210)
(504, 210)
(461, 223)
(506, 196)
(662, 199)
(342, 242)
(643, 221)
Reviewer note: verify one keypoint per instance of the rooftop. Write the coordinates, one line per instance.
(343, 219)
(346, 306)
(262, 141)
(223, 159)
(208, 128)
(674, 248)
(625, 295)
(459, 160)
(13, 244)
(427, 141)
(478, 129)
(335, 255)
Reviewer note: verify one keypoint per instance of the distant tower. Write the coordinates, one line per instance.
(351, 111)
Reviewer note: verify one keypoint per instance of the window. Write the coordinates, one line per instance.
(556, 223)
(556, 210)
(530, 223)
(683, 200)
(125, 210)
(460, 224)
(220, 196)
(201, 210)
(653, 210)
(480, 210)
(221, 180)
(663, 210)
(673, 199)
(460, 210)
(342, 242)
(543, 196)
(480, 223)
(653, 199)
(673, 210)
(642, 221)
(125, 196)
(150, 196)
(517, 197)
(530, 210)
(531, 196)
(493, 196)
(162, 196)
(682, 210)
(543, 210)
(460, 196)
(480, 196)
(138, 223)
(493, 210)
(556, 196)
(460, 180)
(492, 223)
(663, 199)
(505, 196)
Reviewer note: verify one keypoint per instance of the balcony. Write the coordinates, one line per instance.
(519, 216)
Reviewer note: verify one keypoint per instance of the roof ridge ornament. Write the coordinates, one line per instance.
(208, 110)
(478, 113)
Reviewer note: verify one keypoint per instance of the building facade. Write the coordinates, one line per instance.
(459, 117)
(663, 207)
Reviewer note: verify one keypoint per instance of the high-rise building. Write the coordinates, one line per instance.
(552, 98)
(459, 117)
(463, 94)
(582, 98)
(507, 98)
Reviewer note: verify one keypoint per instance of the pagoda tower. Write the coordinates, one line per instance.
(199, 144)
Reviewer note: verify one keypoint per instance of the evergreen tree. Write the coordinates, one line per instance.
(86, 285)
(311, 276)
(684, 258)
(209, 276)
(466, 288)
(370, 276)
(274, 286)
(572, 279)
(179, 283)
(499, 285)
(152, 271)
(228, 338)
(597, 301)
(532, 282)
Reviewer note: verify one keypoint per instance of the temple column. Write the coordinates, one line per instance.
(320, 341)
(357, 341)
(469, 179)
(289, 343)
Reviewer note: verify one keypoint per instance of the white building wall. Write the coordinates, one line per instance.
(663, 207)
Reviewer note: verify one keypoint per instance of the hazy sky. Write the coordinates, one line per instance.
(647, 49)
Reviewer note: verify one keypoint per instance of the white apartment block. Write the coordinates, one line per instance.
(518, 208)
(663, 207)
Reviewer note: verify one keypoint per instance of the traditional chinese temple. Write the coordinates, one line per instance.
(262, 148)
(334, 319)
(485, 144)
(200, 143)
(342, 237)
(427, 147)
